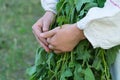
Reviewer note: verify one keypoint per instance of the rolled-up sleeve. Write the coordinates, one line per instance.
(101, 26)
(49, 5)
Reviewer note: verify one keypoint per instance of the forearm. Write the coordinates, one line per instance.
(101, 26)
(105, 32)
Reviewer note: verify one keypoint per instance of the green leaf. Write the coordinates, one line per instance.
(79, 3)
(72, 15)
(78, 72)
(67, 9)
(50, 61)
(101, 3)
(90, 5)
(31, 71)
(61, 20)
(111, 55)
(66, 73)
(97, 63)
(89, 74)
(40, 57)
(83, 53)
(71, 64)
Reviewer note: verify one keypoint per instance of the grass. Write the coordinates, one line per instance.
(17, 43)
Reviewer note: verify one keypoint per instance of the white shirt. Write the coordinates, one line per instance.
(101, 25)
(49, 5)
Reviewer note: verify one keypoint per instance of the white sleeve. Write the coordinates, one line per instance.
(101, 26)
(49, 5)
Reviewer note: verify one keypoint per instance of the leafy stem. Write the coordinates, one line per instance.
(106, 68)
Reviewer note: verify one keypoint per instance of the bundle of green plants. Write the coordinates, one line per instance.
(84, 62)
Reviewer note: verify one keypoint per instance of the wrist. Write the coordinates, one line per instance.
(50, 13)
(78, 31)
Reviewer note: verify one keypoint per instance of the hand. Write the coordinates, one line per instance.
(42, 25)
(63, 39)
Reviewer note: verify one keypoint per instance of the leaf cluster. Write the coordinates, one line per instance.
(84, 62)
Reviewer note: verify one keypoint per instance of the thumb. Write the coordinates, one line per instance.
(48, 34)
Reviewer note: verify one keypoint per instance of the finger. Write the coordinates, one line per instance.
(49, 33)
(43, 45)
(51, 47)
(37, 31)
(48, 40)
(41, 39)
(57, 51)
(37, 34)
(45, 26)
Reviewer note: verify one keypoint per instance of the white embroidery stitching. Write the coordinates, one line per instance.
(115, 3)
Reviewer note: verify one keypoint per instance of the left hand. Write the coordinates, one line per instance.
(63, 39)
(42, 25)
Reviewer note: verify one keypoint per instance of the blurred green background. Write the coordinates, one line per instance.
(17, 43)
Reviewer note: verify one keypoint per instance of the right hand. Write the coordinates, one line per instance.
(42, 25)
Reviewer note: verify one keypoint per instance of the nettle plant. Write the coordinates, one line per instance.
(84, 62)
